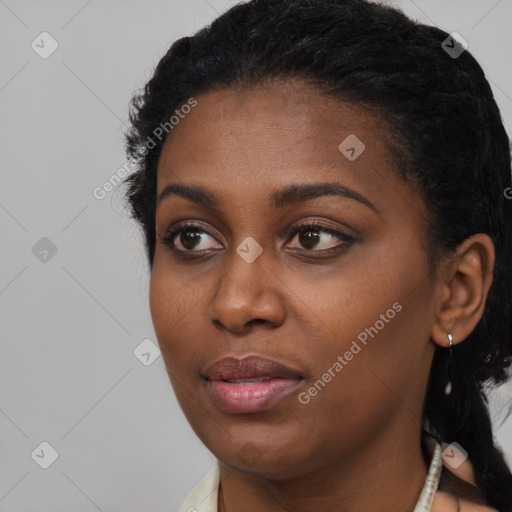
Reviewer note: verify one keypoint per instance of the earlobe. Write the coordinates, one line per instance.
(464, 286)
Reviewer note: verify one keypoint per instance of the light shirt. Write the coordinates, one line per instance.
(204, 496)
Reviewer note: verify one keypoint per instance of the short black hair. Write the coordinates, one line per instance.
(449, 140)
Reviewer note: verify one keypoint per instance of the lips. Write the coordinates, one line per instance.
(251, 368)
(249, 385)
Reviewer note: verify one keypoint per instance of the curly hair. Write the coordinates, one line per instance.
(449, 140)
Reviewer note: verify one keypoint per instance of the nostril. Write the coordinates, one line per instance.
(257, 321)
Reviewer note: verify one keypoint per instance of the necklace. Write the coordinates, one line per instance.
(426, 498)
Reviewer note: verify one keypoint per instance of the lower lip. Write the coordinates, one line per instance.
(247, 397)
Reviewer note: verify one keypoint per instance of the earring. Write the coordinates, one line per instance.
(448, 388)
(450, 339)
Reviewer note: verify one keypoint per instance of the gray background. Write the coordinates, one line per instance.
(70, 321)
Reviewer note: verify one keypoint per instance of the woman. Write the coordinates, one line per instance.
(322, 186)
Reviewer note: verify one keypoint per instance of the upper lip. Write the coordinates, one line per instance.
(250, 367)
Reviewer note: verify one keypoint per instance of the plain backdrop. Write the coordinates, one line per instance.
(73, 275)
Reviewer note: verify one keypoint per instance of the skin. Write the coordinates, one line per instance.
(356, 445)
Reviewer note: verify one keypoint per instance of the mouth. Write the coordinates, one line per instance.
(243, 381)
(249, 385)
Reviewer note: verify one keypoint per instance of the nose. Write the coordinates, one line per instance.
(248, 293)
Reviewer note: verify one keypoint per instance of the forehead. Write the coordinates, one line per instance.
(273, 134)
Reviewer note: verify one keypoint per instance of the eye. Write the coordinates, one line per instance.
(309, 236)
(190, 237)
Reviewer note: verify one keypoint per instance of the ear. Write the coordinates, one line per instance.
(463, 284)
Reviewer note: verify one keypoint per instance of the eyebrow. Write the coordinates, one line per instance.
(289, 195)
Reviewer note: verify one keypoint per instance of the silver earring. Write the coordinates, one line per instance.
(450, 339)
(448, 388)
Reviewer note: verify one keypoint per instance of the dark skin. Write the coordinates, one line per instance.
(356, 445)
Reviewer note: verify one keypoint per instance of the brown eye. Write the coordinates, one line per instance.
(317, 238)
(191, 238)
(309, 238)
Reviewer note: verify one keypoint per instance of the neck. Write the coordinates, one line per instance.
(386, 474)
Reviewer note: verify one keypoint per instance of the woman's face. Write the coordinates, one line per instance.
(351, 324)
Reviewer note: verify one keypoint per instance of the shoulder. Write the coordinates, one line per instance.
(467, 506)
(446, 502)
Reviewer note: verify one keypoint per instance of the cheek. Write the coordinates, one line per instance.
(380, 376)
(378, 322)
(173, 309)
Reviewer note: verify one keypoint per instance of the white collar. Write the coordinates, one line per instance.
(204, 496)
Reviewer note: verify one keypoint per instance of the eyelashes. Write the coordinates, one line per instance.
(198, 234)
